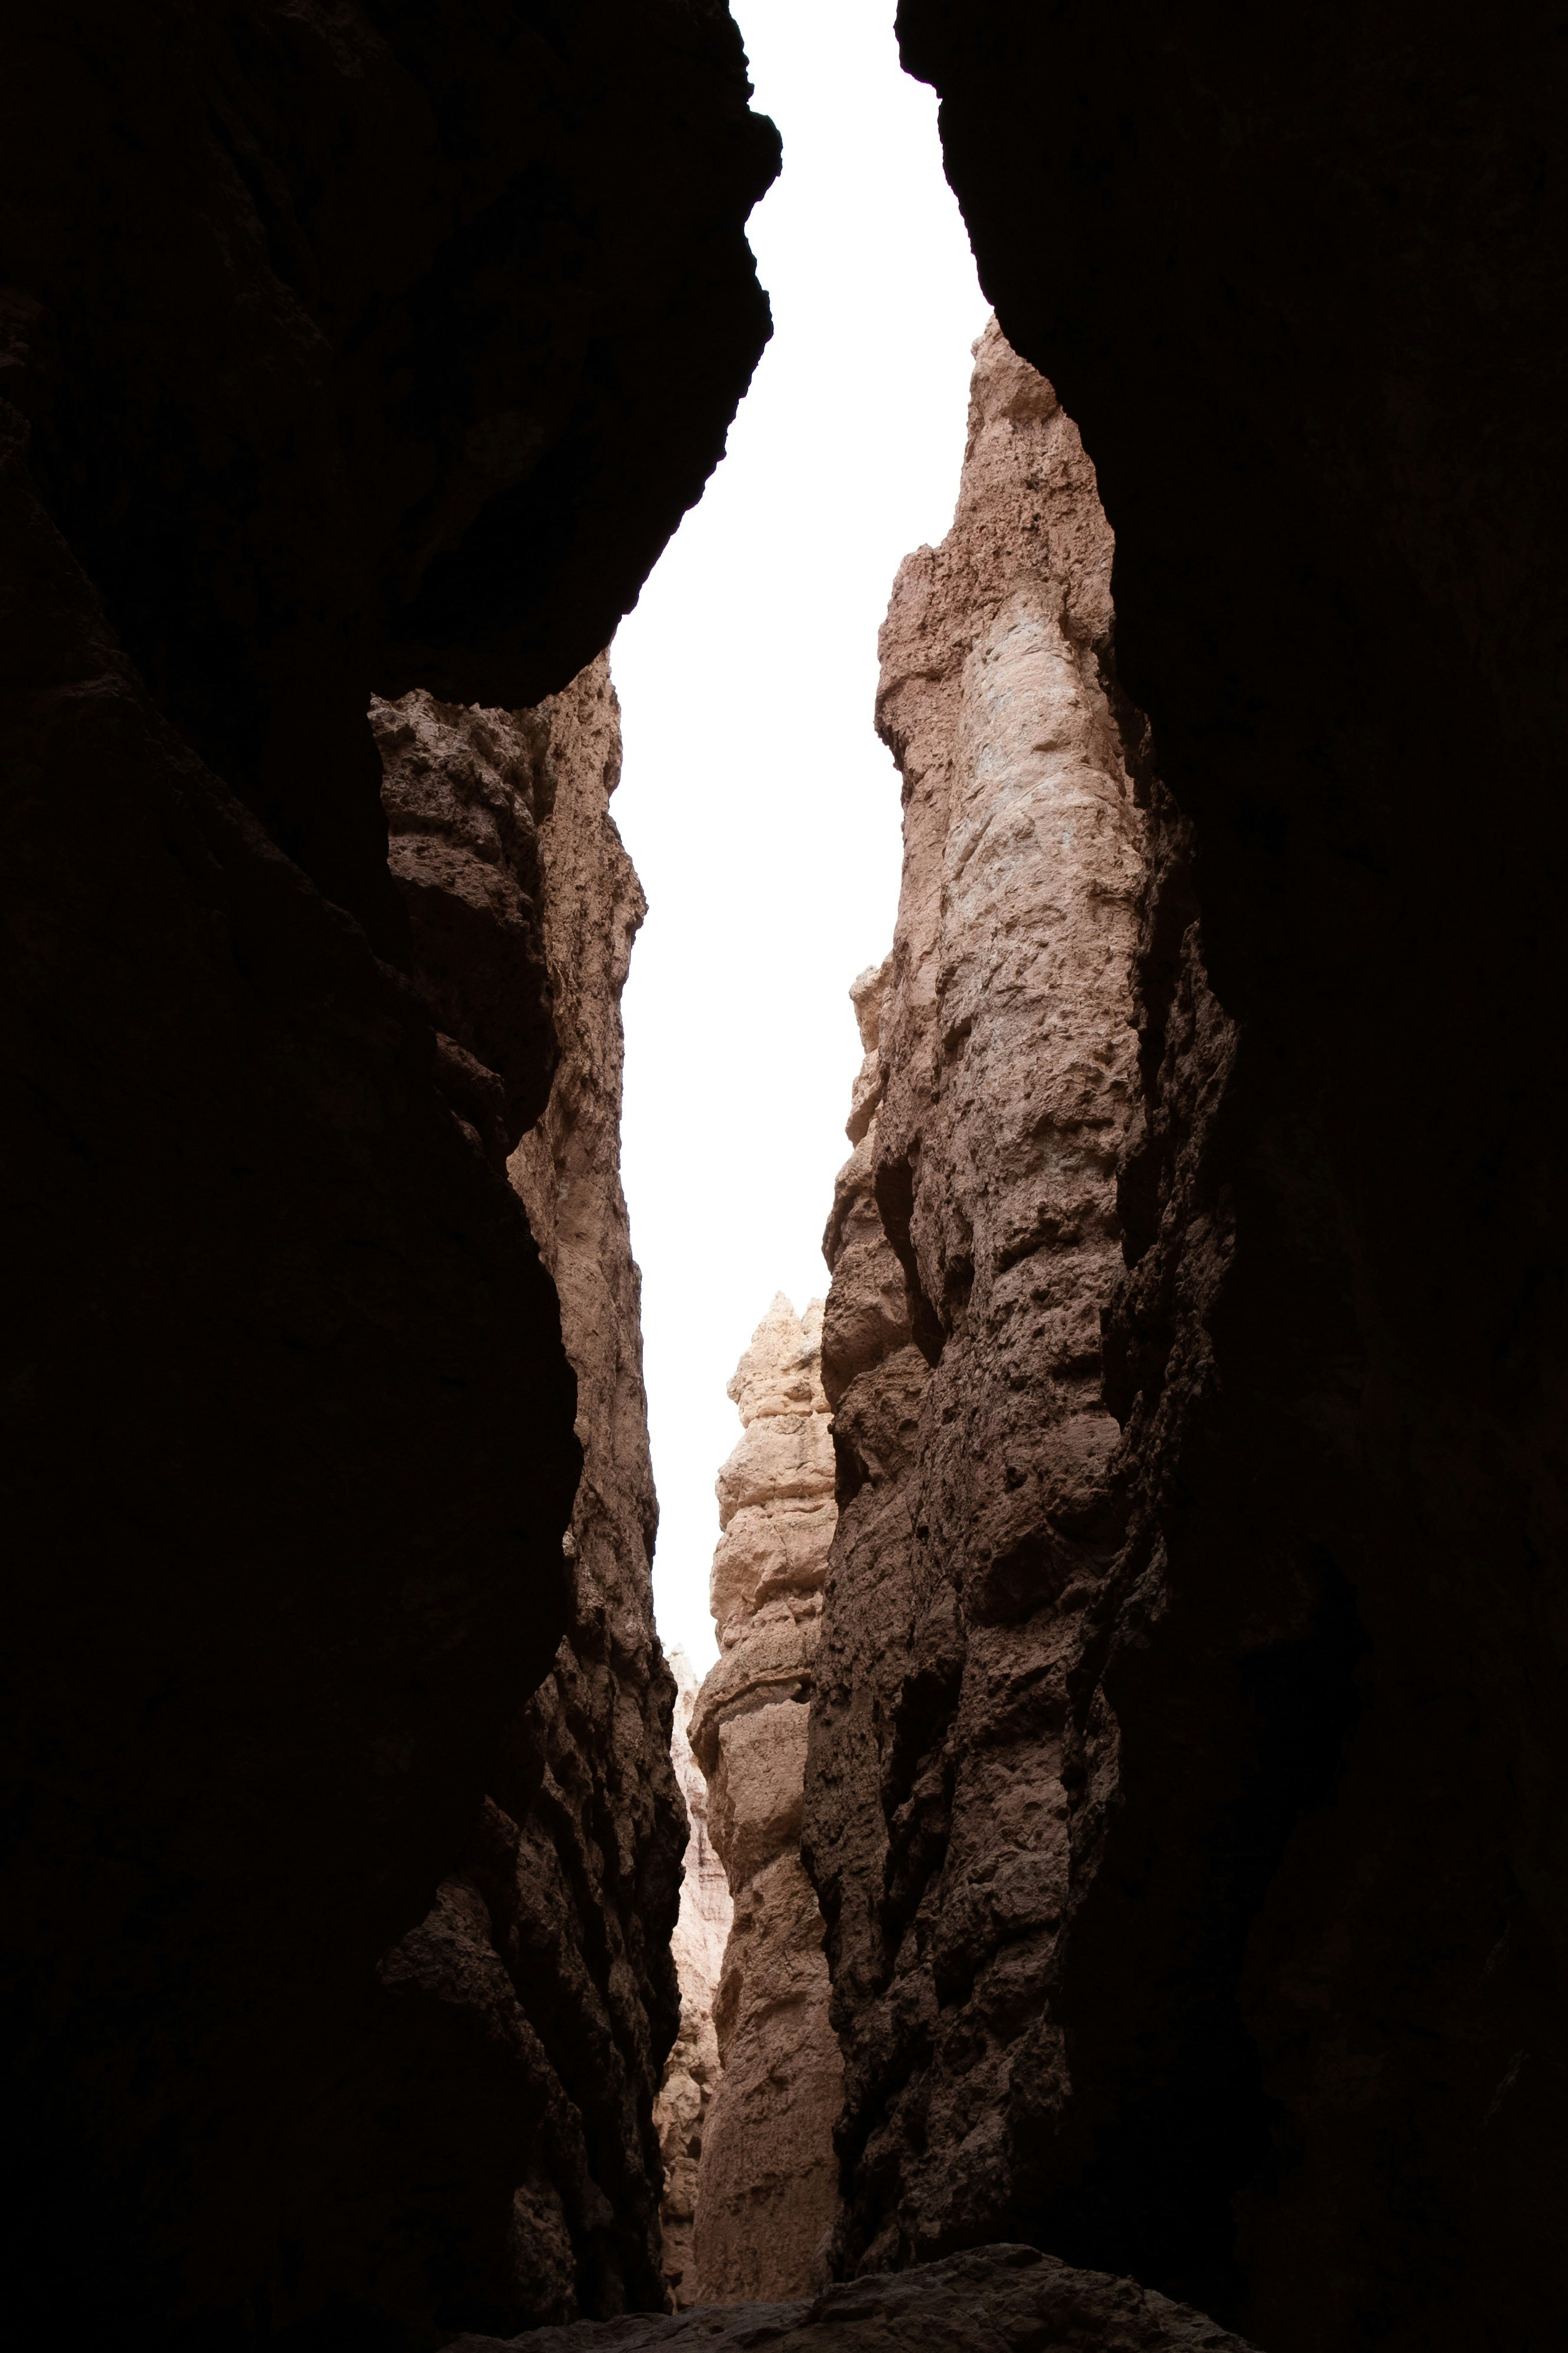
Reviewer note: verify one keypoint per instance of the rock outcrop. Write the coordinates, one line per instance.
(974, 1245)
(767, 2181)
(1299, 282)
(553, 1935)
(973, 2302)
(344, 349)
(691, 2071)
(460, 789)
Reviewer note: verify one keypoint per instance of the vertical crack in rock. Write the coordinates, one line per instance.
(691, 2071)
(766, 2184)
(974, 1246)
(553, 1936)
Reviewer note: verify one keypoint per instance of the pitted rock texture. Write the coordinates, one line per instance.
(989, 2296)
(767, 2181)
(344, 349)
(465, 793)
(558, 1922)
(978, 1516)
(1301, 283)
(691, 2071)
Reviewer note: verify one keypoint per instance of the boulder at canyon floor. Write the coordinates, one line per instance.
(974, 2302)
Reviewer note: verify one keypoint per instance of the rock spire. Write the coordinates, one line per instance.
(767, 2185)
(974, 1243)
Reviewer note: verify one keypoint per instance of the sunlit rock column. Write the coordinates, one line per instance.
(691, 2071)
(974, 1244)
(767, 2184)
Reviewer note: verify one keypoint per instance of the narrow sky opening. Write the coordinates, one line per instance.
(760, 808)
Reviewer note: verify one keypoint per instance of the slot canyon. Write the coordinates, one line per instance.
(1110, 1891)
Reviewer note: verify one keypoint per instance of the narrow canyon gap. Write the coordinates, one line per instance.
(1142, 1773)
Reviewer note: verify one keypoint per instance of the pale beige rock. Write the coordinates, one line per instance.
(767, 2179)
(691, 2071)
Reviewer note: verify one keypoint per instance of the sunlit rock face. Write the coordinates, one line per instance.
(1300, 284)
(766, 2186)
(975, 1244)
(551, 1939)
(691, 2071)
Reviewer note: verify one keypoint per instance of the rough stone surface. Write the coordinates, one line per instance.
(345, 348)
(766, 2182)
(1300, 280)
(975, 1243)
(460, 789)
(691, 2071)
(972, 2303)
(554, 1936)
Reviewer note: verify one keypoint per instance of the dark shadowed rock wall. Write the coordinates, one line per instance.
(972, 2303)
(345, 348)
(1299, 281)
(551, 1943)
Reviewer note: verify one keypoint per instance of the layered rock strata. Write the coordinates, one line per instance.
(970, 2304)
(766, 2183)
(1301, 283)
(974, 1243)
(344, 349)
(554, 1935)
(691, 2071)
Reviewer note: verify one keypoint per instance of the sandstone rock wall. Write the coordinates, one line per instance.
(343, 348)
(974, 1246)
(691, 2071)
(1301, 283)
(767, 2181)
(522, 896)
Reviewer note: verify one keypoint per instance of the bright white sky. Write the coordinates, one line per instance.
(761, 809)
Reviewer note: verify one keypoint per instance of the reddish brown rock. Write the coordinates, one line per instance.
(766, 2184)
(972, 2303)
(691, 2071)
(553, 1938)
(978, 1517)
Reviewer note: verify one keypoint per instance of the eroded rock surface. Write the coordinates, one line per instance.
(974, 1244)
(691, 2071)
(1301, 285)
(989, 2297)
(344, 349)
(767, 2181)
(465, 793)
(553, 1936)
